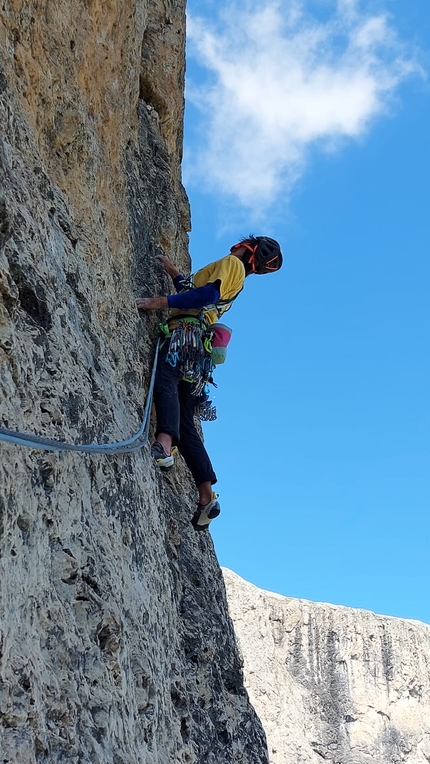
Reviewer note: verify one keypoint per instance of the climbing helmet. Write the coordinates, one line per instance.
(266, 255)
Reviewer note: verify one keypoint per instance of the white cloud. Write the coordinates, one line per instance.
(278, 81)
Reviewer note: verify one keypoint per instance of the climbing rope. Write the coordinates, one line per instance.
(124, 446)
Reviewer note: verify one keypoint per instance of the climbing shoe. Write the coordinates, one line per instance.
(204, 514)
(164, 461)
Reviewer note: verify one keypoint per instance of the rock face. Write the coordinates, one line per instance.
(116, 646)
(332, 683)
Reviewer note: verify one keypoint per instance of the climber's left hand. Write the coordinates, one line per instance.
(151, 303)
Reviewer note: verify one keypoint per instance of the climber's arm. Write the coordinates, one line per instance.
(188, 300)
(168, 266)
(195, 298)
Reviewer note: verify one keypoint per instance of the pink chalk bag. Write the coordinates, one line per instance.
(220, 339)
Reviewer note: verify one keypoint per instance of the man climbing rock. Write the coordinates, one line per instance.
(185, 363)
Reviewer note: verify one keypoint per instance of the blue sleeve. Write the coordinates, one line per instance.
(194, 298)
(178, 282)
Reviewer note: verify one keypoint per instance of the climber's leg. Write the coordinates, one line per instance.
(190, 443)
(166, 400)
(197, 459)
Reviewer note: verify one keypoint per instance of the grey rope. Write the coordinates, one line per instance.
(124, 446)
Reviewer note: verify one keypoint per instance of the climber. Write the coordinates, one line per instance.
(184, 365)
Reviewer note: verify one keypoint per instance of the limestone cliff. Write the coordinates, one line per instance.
(333, 683)
(116, 646)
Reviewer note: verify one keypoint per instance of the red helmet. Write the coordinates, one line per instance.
(266, 255)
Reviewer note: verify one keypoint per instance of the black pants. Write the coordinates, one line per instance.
(174, 405)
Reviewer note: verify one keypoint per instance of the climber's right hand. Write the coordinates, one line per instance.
(168, 266)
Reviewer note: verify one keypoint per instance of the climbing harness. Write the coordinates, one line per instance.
(134, 443)
(192, 342)
(196, 348)
(190, 349)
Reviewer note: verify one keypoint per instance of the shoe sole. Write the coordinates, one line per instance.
(208, 516)
(165, 464)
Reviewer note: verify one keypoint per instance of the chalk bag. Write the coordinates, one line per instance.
(221, 338)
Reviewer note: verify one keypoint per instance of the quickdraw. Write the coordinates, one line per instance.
(190, 348)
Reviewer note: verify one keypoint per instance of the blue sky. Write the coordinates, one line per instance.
(309, 122)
